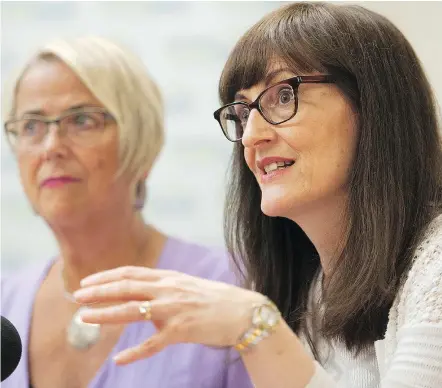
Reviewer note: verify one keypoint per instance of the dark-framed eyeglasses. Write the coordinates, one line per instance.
(81, 126)
(276, 104)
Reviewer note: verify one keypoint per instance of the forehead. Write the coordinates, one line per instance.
(50, 87)
(276, 71)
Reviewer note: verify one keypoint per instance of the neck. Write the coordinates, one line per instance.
(325, 225)
(105, 242)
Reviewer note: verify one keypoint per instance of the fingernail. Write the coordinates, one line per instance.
(80, 294)
(85, 314)
(88, 280)
(119, 358)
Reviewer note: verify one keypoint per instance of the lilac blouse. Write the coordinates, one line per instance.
(177, 366)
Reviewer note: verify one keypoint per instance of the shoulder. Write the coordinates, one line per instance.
(413, 350)
(420, 299)
(205, 261)
(18, 285)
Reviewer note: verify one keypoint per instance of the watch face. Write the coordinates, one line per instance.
(265, 316)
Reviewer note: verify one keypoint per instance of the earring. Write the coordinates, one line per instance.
(140, 195)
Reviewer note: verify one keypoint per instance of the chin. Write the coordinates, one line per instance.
(59, 214)
(275, 207)
(280, 203)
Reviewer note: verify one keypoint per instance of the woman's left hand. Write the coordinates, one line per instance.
(184, 308)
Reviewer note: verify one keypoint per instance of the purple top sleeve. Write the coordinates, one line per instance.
(178, 366)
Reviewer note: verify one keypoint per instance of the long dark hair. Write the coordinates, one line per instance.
(394, 186)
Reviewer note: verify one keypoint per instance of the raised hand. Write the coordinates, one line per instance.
(183, 308)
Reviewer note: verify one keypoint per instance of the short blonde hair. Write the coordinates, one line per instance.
(120, 81)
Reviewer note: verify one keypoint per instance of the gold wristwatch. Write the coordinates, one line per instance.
(265, 318)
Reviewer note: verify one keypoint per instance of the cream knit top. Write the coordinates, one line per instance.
(410, 355)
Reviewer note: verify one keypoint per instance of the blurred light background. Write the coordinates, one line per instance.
(184, 46)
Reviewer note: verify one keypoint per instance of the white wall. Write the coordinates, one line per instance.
(184, 45)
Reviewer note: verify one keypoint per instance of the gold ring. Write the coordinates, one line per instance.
(146, 310)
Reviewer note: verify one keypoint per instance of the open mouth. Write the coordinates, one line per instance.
(277, 166)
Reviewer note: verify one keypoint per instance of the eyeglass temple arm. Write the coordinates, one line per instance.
(315, 78)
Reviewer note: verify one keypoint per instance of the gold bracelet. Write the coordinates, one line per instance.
(249, 339)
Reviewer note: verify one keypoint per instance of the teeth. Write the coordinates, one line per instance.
(271, 167)
(276, 165)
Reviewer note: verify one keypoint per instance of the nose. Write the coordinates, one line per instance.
(52, 144)
(257, 130)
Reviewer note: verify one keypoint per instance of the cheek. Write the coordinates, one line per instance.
(27, 166)
(325, 159)
(100, 167)
(345, 147)
(100, 163)
(249, 157)
(333, 163)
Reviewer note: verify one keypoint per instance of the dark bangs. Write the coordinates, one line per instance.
(288, 40)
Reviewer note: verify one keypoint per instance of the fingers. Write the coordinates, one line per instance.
(148, 348)
(130, 312)
(123, 313)
(136, 353)
(117, 291)
(127, 272)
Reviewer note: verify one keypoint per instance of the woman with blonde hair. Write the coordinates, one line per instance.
(86, 126)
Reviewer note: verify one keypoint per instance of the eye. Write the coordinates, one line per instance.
(285, 96)
(30, 127)
(243, 113)
(83, 120)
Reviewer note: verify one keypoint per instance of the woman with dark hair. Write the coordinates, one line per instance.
(333, 213)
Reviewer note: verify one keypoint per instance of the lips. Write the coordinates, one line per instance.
(277, 166)
(58, 181)
(273, 163)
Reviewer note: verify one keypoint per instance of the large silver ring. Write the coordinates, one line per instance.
(146, 310)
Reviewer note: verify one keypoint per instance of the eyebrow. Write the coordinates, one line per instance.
(267, 80)
(39, 112)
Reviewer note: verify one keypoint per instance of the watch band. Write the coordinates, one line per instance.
(265, 318)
